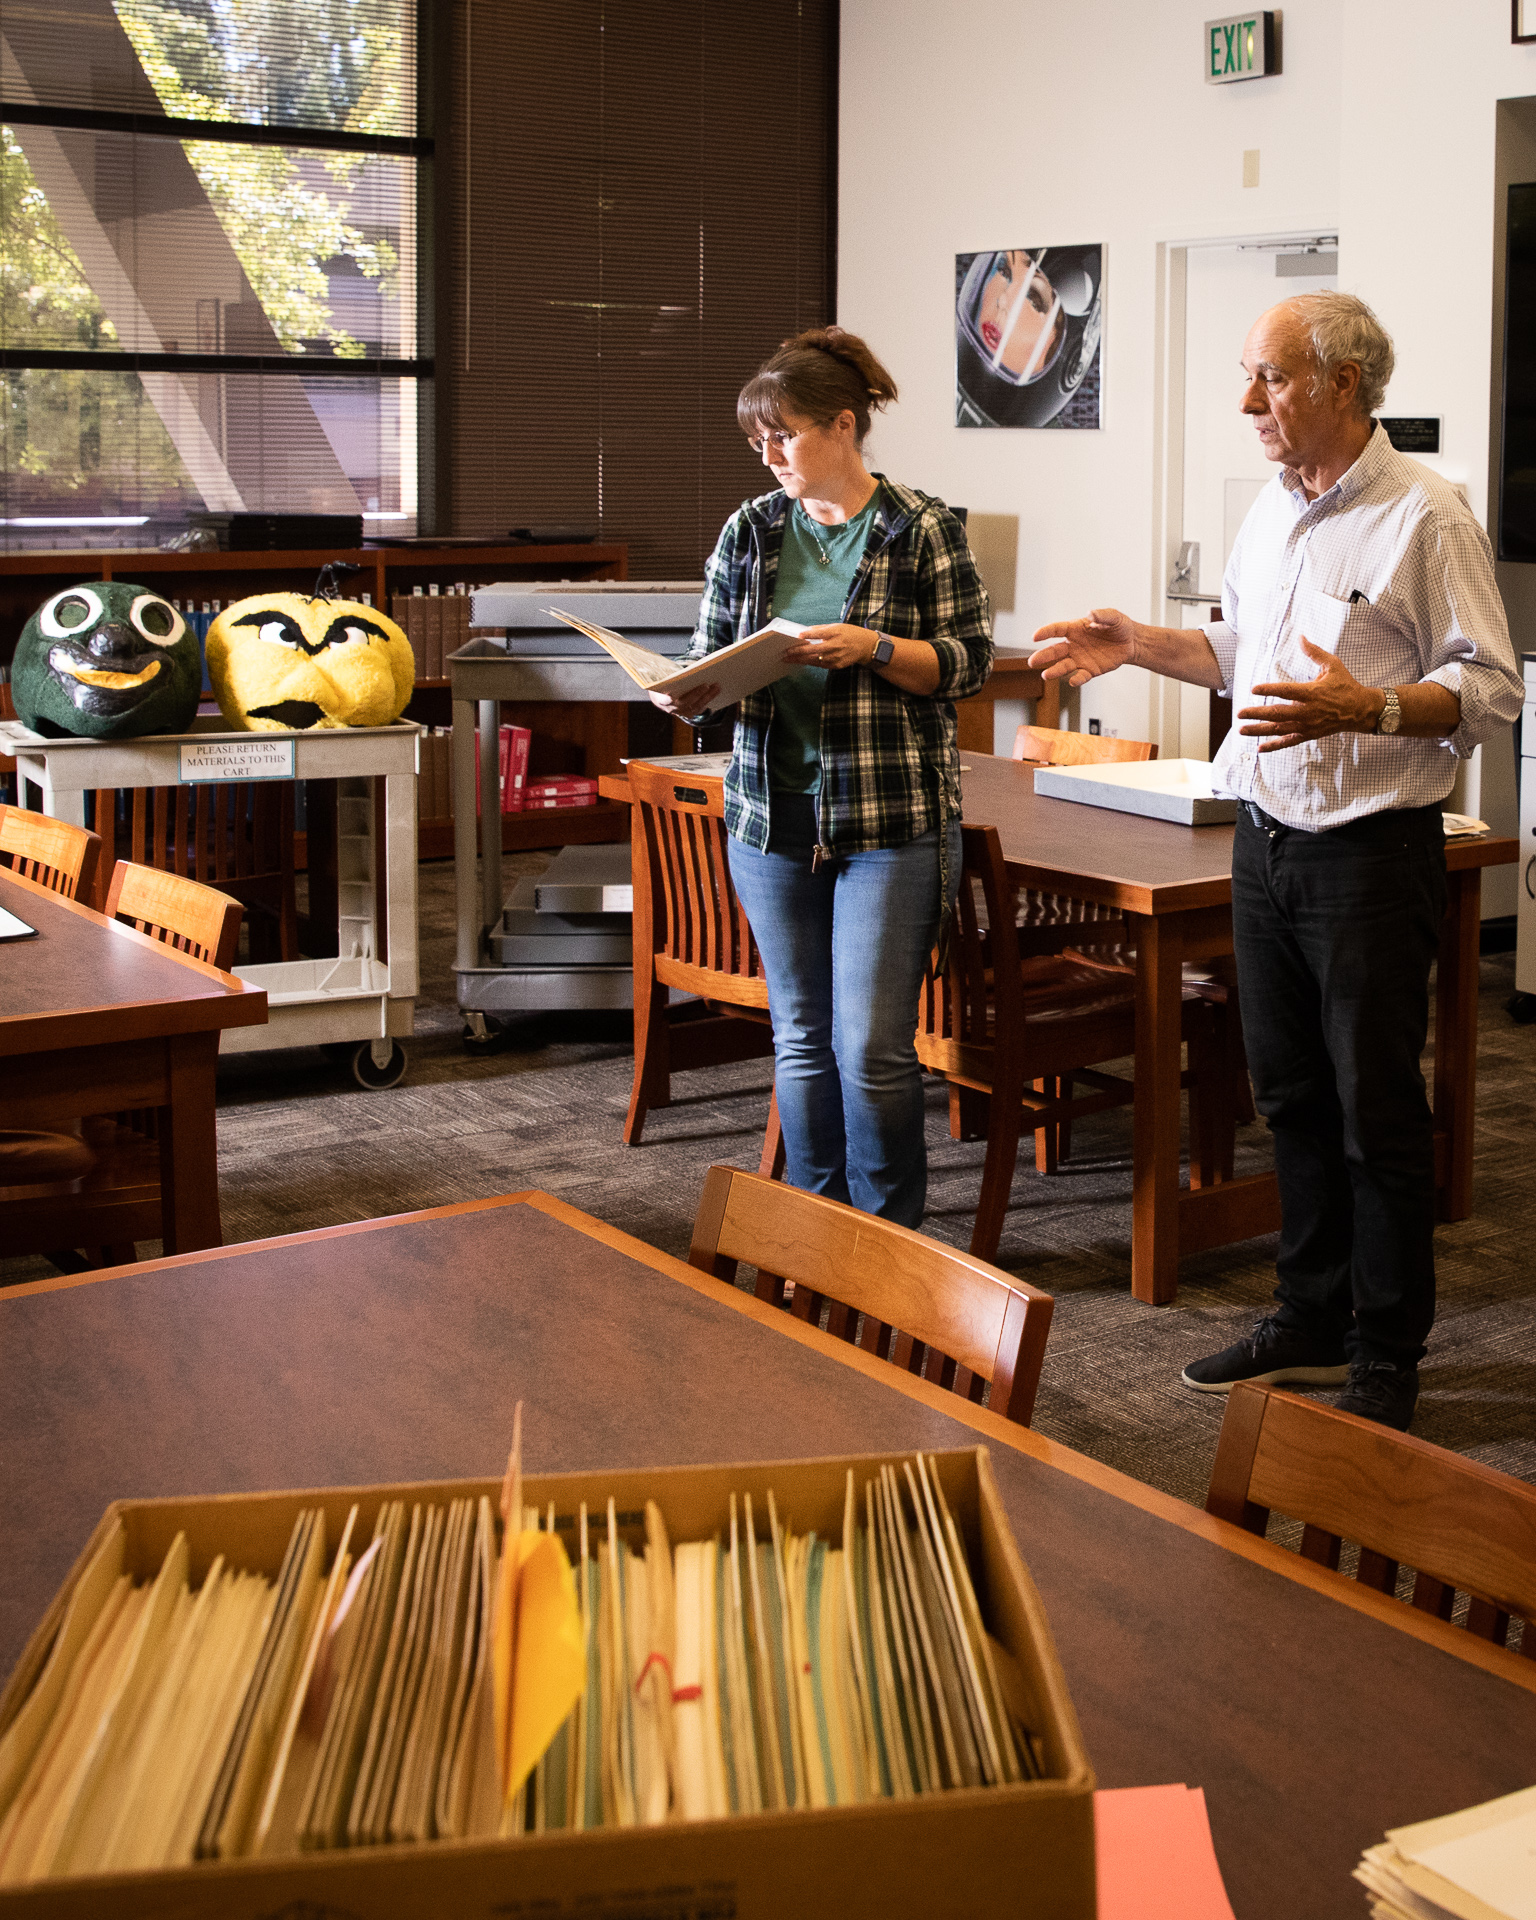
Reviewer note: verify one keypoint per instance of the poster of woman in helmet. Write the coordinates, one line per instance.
(1027, 326)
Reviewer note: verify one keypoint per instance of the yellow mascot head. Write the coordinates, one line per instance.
(285, 661)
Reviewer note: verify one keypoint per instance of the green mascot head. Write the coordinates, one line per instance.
(108, 660)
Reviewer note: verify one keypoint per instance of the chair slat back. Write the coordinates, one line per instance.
(55, 854)
(973, 1323)
(1458, 1525)
(187, 915)
(1056, 747)
(700, 924)
(234, 834)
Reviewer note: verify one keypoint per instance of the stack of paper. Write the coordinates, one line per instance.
(461, 1677)
(1476, 1865)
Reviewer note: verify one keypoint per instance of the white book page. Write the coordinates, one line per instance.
(737, 670)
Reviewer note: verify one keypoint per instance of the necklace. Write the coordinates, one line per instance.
(810, 526)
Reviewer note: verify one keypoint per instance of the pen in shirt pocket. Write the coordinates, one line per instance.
(1359, 599)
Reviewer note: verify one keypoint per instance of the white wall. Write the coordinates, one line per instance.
(992, 123)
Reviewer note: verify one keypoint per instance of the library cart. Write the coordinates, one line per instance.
(364, 998)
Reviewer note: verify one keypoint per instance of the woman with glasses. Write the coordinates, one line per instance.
(843, 795)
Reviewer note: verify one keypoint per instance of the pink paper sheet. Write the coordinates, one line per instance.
(1155, 1856)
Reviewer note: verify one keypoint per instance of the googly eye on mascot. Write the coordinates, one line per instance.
(281, 661)
(107, 660)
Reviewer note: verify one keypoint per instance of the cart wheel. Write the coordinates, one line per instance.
(1521, 1008)
(376, 1073)
(483, 1036)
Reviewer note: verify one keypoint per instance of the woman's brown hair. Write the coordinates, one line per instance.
(815, 376)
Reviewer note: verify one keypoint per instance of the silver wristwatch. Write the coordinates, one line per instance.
(1391, 715)
(884, 648)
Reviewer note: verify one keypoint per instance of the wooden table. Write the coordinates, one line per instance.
(1175, 884)
(95, 1018)
(1314, 1713)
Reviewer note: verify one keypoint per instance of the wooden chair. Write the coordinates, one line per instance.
(1051, 922)
(1056, 747)
(51, 852)
(194, 919)
(112, 1200)
(235, 835)
(1056, 923)
(690, 934)
(920, 1302)
(1022, 1029)
(28, 1156)
(1454, 1524)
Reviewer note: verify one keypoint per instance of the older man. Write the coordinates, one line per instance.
(1364, 645)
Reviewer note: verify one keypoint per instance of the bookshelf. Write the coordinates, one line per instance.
(27, 579)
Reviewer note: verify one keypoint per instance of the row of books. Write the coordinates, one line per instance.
(436, 623)
(460, 1675)
(519, 794)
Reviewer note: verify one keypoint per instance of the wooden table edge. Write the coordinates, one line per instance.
(1456, 1641)
(243, 1003)
(231, 982)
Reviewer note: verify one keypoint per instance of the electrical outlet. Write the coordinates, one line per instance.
(1093, 726)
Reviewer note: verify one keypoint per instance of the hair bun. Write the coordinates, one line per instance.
(816, 375)
(850, 351)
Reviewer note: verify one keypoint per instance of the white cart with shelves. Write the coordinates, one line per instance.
(364, 1000)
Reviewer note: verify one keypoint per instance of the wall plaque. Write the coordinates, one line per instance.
(1415, 433)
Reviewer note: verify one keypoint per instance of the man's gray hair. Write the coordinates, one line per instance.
(1342, 327)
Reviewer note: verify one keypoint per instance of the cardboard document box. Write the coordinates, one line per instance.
(1025, 1849)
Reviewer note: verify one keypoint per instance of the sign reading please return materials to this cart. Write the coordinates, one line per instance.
(254, 758)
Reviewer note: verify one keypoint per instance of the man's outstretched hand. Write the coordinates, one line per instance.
(1078, 651)
(1335, 702)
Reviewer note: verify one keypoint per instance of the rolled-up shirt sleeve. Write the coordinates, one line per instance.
(1465, 635)
(955, 611)
(1223, 639)
(1222, 633)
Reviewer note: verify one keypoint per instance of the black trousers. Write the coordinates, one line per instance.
(1335, 934)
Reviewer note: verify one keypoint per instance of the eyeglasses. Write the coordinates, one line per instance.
(778, 441)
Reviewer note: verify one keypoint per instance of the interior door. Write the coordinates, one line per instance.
(1227, 287)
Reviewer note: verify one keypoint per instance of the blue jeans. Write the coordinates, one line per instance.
(844, 951)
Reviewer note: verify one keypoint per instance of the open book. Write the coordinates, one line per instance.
(737, 670)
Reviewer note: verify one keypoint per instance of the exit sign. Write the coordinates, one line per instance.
(1240, 48)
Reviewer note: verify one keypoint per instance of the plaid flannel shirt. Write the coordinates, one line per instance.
(890, 761)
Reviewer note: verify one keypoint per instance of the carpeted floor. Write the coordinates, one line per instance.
(301, 1146)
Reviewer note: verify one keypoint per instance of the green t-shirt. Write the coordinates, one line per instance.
(813, 591)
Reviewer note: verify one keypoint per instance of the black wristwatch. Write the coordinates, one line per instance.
(884, 648)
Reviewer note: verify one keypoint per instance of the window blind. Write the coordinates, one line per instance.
(634, 208)
(208, 262)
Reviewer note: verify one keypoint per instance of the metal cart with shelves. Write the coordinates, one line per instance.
(539, 662)
(362, 1001)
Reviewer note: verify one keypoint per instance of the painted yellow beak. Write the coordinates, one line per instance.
(100, 677)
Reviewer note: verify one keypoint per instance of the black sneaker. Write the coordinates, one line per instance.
(1379, 1391)
(1273, 1355)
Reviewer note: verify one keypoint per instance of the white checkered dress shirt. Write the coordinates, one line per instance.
(1390, 571)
